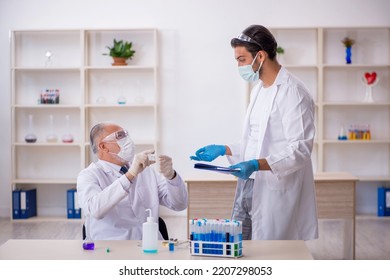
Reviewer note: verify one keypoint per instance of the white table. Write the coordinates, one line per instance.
(20, 249)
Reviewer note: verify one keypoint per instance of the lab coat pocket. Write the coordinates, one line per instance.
(273, 183)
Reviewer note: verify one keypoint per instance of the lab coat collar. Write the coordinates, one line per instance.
(282, 77)
(108, 167)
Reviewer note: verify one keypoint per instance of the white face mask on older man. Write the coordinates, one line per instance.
(127, 147)
(125, 143)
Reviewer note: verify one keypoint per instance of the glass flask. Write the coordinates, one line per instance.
(121, 100)
(30, 136)
(48, 61)
(88, 243)
(51, 137)
(67, 137)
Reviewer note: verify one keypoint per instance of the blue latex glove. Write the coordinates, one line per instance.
(246, 168)
(209, 153)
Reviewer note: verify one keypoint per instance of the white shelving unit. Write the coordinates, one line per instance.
(89, 91)
(342, 102)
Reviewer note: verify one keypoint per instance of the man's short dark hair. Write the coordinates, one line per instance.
(262, 36)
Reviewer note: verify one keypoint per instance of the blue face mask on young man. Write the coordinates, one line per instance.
(247, 72)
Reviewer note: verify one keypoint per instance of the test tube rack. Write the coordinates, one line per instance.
(216, 249)
(216, 237)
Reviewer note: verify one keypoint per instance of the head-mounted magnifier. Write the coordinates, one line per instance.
(246, 38)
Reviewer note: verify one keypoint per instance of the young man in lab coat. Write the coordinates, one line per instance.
(275, 195)
(114, 200)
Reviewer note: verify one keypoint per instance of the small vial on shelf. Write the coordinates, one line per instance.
(30, 136)
(122, 100)
(48, 61)
(51, 137)
(351, 133)
(342, 135)
(68, 137)
(367, 133)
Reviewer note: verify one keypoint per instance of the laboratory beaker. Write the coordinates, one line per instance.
(68, 137)
(30, 136)
(51, 137)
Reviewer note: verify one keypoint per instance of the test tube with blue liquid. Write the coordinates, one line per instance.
(216, 237)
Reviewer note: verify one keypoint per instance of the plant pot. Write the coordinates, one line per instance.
(119, 61)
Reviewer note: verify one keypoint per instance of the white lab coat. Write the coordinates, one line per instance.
(283, 205)
(112, 212)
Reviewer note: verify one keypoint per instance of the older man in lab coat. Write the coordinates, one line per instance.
(115, 191)
(275, 195)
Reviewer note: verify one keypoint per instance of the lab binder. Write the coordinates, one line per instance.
(16, 204)
(383, 201)
(73, 208)
(77, 209)
(28, 203)
(70, 204)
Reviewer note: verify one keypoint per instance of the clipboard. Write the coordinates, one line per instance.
(215, 168)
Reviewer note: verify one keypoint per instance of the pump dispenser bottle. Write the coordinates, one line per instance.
(150, 234)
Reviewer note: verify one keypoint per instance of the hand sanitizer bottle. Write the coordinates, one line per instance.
(150, 234)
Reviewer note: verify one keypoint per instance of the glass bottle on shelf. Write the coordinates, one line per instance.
(48, 61)
(121, 99)
(68, 137)
(30, 136)
(51, 137)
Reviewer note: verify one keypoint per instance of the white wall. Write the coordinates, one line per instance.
(200, 84)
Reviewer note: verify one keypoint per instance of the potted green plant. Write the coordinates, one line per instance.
(120, 51)
(279, 50)
(279, 53)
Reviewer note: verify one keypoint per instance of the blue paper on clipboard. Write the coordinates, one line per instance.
(221, 169)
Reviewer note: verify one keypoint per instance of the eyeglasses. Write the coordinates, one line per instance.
(115, 136)
(246, 38)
